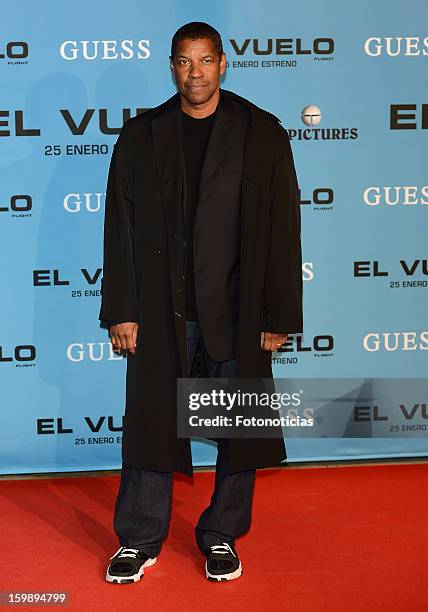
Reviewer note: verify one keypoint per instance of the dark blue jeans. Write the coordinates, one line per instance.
(143, 505)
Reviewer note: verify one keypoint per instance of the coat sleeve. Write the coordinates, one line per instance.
(118, 287)
(283, 289)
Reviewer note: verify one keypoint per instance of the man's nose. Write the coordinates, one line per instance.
(195, 71)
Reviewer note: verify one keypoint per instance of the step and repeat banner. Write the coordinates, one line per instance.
(349, 84)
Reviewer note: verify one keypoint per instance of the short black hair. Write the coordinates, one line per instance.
(195, 30)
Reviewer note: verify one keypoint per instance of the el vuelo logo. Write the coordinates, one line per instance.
(17, 205)
(282, 46)
(12, 122)
(14, 52)
(408, 116)
(22, 355)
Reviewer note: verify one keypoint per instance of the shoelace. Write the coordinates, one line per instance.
(223, 549)
(126, 552)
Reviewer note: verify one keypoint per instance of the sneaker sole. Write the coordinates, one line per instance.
(223, 577)
(130, 579)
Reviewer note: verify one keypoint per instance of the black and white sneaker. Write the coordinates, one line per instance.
(222, 562)
(128, 565)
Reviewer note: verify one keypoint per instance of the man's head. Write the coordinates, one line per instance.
(197, 61)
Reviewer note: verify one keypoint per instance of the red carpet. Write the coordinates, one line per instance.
(322, 539)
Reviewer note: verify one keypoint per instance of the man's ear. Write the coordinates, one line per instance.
(223, 63)
(171, 65)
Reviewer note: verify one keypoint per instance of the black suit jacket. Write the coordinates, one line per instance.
(216, 237)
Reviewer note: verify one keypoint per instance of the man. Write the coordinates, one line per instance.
(202, 273)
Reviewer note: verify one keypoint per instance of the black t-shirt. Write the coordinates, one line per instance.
(196, 134)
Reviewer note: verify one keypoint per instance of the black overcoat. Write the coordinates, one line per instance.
(144, 265)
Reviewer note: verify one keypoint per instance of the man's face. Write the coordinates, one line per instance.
(197, 68)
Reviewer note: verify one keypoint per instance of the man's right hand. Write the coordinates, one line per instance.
(124, 337)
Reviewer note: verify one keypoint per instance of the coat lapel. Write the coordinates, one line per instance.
(166, 131)
(221, 134)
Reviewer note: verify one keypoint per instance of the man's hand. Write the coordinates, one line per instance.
(124, 337)
(272, 342)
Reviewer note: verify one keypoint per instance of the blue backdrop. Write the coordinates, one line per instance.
(68, 71)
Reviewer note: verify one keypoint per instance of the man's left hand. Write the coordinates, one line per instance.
(272, 342)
